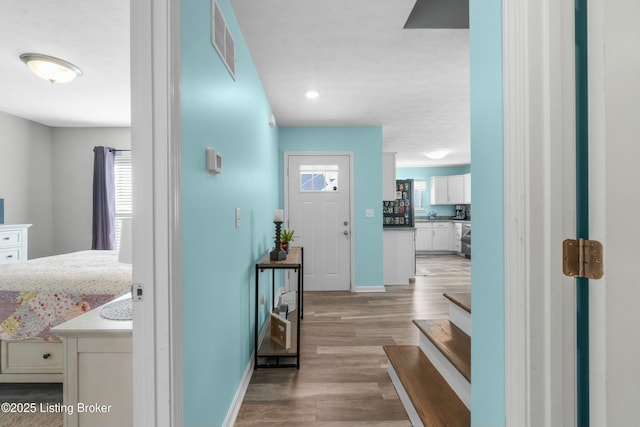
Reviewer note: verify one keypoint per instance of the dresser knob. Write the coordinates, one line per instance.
(46, 355)
(6, 238)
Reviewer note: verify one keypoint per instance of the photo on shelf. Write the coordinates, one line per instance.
(281, 331)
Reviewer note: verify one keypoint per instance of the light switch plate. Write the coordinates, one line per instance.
(369, 213)
(237, 217)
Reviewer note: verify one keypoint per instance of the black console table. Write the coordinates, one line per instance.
(268, 353)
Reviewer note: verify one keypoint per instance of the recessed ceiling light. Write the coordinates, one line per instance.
(312, 94)
(437, 154)
(55, 70)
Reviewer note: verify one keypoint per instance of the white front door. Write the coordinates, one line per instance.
(318, 209)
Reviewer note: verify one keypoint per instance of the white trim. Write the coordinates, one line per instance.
(374, 289)
(157, 345)
(234, 409)
(460, 317)
(458, 383)
(515, 99)
(351, 196)
(539, 210)
(404, 397)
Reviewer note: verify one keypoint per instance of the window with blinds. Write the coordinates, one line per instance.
(124, 191)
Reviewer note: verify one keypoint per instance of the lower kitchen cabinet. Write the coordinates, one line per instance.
(456, 244)
(442, 232)
(424, 236)
(399, 255)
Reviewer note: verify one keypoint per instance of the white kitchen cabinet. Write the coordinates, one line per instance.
(438, 186)
(14, 242)
(424, 236)
(455, 189)
(467, 189)
(388, 176)
(442, 232)
(399, 255)
(456, 244)
(447, 190)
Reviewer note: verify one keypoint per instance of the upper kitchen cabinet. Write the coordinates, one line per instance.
(439, 190)
(388, 176)
(455, 189)
(467, 189)
(447, 190)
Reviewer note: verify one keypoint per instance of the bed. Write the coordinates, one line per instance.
(41, 293)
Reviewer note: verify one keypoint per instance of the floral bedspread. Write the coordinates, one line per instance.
(42, 293)
(31, 314)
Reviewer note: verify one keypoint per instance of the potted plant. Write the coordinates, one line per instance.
(285, 237)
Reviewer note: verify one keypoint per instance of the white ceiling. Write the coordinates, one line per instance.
(91, 34)
(368, 70)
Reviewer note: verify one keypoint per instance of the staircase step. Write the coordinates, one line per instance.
(426, 395)
(449, 349)
(462, 300)
(460, 310)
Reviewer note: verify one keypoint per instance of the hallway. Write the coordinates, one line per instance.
(343, 378)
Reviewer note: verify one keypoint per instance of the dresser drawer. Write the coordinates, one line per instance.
(10, 255)
(10, 238)
(31, 357)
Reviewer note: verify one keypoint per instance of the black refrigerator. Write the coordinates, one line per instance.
(399, 212)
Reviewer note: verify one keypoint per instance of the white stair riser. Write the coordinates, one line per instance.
(460, 317)
(458, 383)
(404, 398)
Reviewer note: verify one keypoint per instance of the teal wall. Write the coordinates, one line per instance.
(366, 144)
(231, 117)
(487, 353)
(426, 174)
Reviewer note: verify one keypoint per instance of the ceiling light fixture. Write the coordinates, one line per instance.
(437, 154)
(55, 70)
(312, 94)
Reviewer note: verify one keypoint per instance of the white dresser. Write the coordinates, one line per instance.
(14, 242)
(98, 370)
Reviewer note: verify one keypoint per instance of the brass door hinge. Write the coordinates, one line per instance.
(582, 258)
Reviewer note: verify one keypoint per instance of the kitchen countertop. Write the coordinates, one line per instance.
(443, 219)
(397, 228)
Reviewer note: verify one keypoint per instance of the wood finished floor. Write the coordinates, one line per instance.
(343, 378)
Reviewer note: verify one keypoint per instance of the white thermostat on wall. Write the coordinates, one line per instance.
(214, 162)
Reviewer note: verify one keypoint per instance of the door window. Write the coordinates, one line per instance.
(318, 178)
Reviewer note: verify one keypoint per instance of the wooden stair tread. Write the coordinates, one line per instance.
(435, 402)
(452, 342)
(462, 300)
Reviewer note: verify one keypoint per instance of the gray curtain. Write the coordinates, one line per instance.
(104, 199)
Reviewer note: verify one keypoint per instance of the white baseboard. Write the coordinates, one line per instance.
(234, 409)
(360, 289)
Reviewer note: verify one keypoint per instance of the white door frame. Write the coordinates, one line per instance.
(287, 154)
(157, 252)
(539, 211)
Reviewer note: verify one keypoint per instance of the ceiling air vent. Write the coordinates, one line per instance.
(222, 39)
